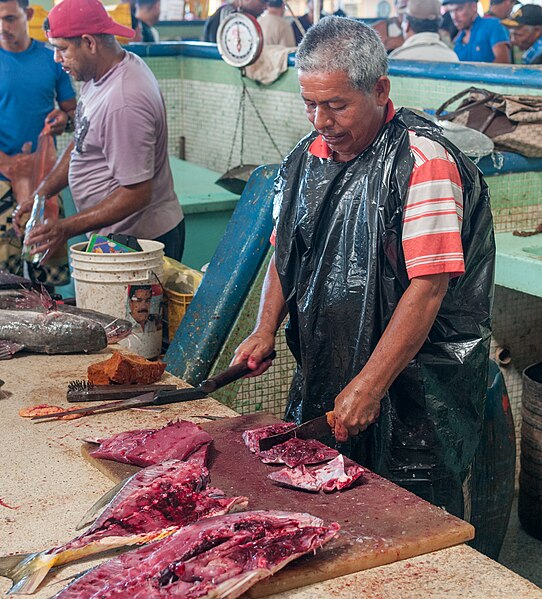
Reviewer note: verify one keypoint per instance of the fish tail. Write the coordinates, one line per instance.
(26, 571)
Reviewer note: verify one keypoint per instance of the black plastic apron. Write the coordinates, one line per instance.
(340, 262)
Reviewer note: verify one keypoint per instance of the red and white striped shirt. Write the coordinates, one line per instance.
(433, 210)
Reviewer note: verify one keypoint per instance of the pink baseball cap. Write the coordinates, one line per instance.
(74, 18)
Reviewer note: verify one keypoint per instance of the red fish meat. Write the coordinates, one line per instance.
(177, 440)
(252, 437)
(333, 476)
(153, 503)
(216, 557)
(295, 452)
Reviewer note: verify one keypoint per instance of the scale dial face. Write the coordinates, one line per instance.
(239, 39)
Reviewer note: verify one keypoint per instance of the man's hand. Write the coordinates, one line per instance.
(19, 216)
(358, 404)
(356, 407)
(48, 238)
(254, 349)
(57, 120)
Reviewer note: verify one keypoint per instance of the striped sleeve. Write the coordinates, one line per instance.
(433, 212)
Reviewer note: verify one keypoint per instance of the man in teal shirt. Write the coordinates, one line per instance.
(479, 39)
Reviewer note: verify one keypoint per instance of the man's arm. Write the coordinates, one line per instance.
(502, 53)
(271, 313)
(358, 405)
(123, 202)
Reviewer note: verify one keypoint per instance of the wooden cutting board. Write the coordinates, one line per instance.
(380, 522)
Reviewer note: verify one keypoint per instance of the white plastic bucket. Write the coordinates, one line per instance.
(118, 284)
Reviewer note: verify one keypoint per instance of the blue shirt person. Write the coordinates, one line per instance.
(30, 82)
(479, 40)
(525, 26)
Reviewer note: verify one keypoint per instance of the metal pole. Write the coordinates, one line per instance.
(316, 10)
(295, 19)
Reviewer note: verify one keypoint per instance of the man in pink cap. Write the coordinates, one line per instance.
(117, 165)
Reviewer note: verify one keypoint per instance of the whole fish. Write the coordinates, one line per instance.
(116, 329)
(149, 505)
(48, 333)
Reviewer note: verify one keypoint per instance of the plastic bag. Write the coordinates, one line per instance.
(180, 278)
(44, 160)
(341, 266)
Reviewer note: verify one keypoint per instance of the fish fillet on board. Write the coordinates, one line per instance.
(333, 476)
(152, 503)
(177, 440)
(216, 557)
(252, 437)
(295, 452)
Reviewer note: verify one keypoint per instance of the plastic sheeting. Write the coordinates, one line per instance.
(342, 270)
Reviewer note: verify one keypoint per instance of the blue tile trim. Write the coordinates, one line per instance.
(511, 163)
(480, 74)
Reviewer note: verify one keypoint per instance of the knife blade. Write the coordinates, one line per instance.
(317, 428)
(160, 398)
(79, 391)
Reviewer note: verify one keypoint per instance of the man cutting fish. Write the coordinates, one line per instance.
(117, 166)
(384, 257)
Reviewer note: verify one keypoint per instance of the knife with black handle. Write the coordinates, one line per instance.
(160, 398)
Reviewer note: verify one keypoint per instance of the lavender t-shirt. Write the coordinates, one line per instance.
(121, 139)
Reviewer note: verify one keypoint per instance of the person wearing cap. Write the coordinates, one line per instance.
(383, 262)
(117, 166)
(526, 30)
(479, 39)
(500, 9)
(251, 7)
(276, 30)
(421, 31)
(390, 30)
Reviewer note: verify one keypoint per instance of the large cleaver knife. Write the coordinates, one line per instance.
(317, 428)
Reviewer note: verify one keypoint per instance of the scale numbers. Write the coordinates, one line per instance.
(239, 39)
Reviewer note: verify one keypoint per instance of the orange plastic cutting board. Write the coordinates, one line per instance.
(380, 522)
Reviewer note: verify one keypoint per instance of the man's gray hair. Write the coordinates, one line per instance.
(342, 44)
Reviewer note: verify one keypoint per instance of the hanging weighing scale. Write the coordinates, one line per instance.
(240, 41)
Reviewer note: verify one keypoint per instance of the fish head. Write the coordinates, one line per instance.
(117, 330)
